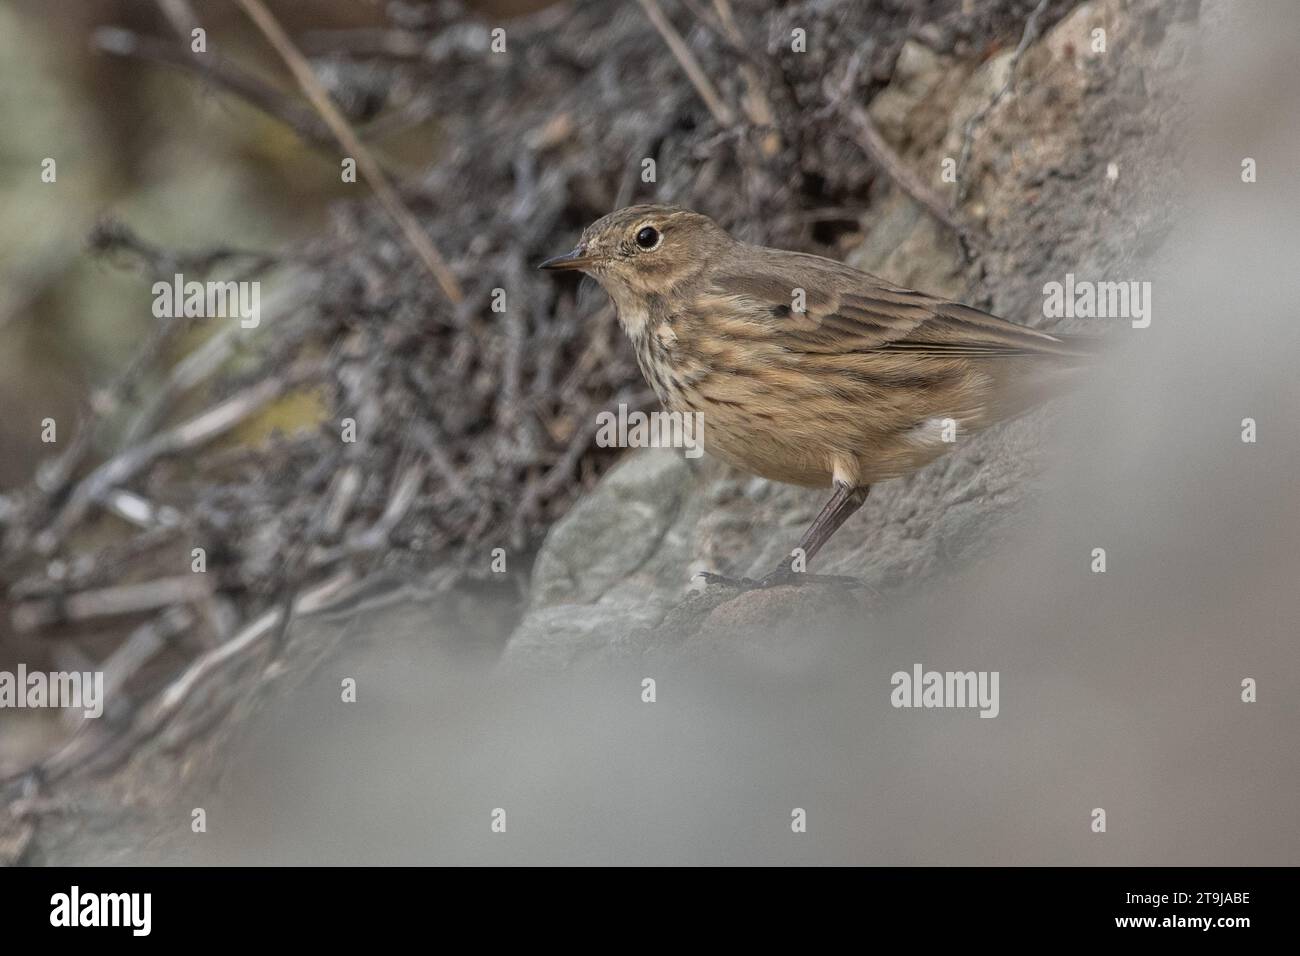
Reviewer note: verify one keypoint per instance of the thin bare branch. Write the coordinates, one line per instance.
(968, 131)
(721, 112)
(112, 601)
(874, 145)
(320, 99)
(755, 102)
(190, 434)
(221, 73)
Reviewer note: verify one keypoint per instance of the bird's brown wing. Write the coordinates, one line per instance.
(848, 311)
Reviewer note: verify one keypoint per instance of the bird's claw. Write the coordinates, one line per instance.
(722, 581)
(781, 577)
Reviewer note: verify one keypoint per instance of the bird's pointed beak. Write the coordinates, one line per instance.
(577, 259)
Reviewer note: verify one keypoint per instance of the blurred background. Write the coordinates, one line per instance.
(147, 146)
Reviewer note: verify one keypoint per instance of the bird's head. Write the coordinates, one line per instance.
(644, 250)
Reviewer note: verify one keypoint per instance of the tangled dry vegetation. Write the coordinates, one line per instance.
(472, 426)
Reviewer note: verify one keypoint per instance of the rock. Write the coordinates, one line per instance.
(906, 244)
(617, 560)
(610, 536)
(916, 74)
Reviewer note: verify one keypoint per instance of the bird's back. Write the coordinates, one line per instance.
(806, 369)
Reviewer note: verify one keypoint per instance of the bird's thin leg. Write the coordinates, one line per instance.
(843, 503)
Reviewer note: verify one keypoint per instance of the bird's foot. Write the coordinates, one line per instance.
(783, 576)
(712, 580)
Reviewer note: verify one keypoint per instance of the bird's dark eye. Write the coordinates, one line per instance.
(648, 237)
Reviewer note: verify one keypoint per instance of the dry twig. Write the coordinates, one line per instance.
(968, 131)
(320, 99)
(691, 66)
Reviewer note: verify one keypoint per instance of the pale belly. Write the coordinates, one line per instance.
(809, 446)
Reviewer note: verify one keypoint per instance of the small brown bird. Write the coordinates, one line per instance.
(807, 371)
